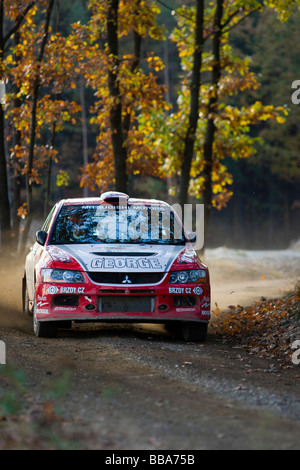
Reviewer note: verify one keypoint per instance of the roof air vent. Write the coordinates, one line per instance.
(114, 197)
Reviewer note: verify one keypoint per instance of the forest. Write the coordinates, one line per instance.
(186, 102)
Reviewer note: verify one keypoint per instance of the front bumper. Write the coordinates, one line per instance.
(60, 301)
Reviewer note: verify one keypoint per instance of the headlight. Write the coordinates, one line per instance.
(60, 275)
(182, 277)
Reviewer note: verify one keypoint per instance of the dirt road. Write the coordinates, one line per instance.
(138, 387)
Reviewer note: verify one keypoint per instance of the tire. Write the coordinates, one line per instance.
(173, 327)
(45, 329)
(25, 298)
(65, 324)
(194, 331)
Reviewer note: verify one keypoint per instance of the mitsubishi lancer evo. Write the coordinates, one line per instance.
(116, 259)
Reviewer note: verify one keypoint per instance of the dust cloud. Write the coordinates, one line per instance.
(11, 274)
(241, 277)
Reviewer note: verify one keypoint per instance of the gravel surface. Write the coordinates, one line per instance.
(123, 387)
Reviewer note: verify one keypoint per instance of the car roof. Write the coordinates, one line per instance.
(100, 201)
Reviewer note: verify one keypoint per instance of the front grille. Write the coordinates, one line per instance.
(125, 279)
(123, 304)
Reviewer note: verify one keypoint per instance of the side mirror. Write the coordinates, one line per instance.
(41, 237)
(192, 237)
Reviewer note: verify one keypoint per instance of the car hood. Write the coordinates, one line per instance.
(124, 258)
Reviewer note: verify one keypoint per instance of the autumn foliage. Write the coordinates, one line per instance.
(138, 131)
(124, 83)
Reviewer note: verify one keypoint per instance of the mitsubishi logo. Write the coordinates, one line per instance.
(126, 280)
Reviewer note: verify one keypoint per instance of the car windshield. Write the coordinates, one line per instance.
(117, 224)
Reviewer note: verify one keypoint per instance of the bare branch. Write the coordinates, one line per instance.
(241, 20)
(18, 21)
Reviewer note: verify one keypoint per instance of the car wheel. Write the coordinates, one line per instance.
(26, 307)
(194, 331)
(45, 329)
(173, 327)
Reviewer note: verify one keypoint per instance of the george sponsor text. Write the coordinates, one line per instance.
(123, 263)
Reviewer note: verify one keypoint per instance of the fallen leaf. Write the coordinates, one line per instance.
(49, 411)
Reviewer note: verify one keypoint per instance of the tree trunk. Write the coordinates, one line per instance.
(35, 93)
(5, 225)
(212, 109)
(49, 174)
(84, 133)
(119, 149)
(4, 199)
(137, 39)
(29, 179)
(16, 176)
(194, 107)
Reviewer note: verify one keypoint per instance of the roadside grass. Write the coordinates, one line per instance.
(28, 422)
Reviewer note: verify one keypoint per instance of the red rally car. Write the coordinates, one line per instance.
(116, 259)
